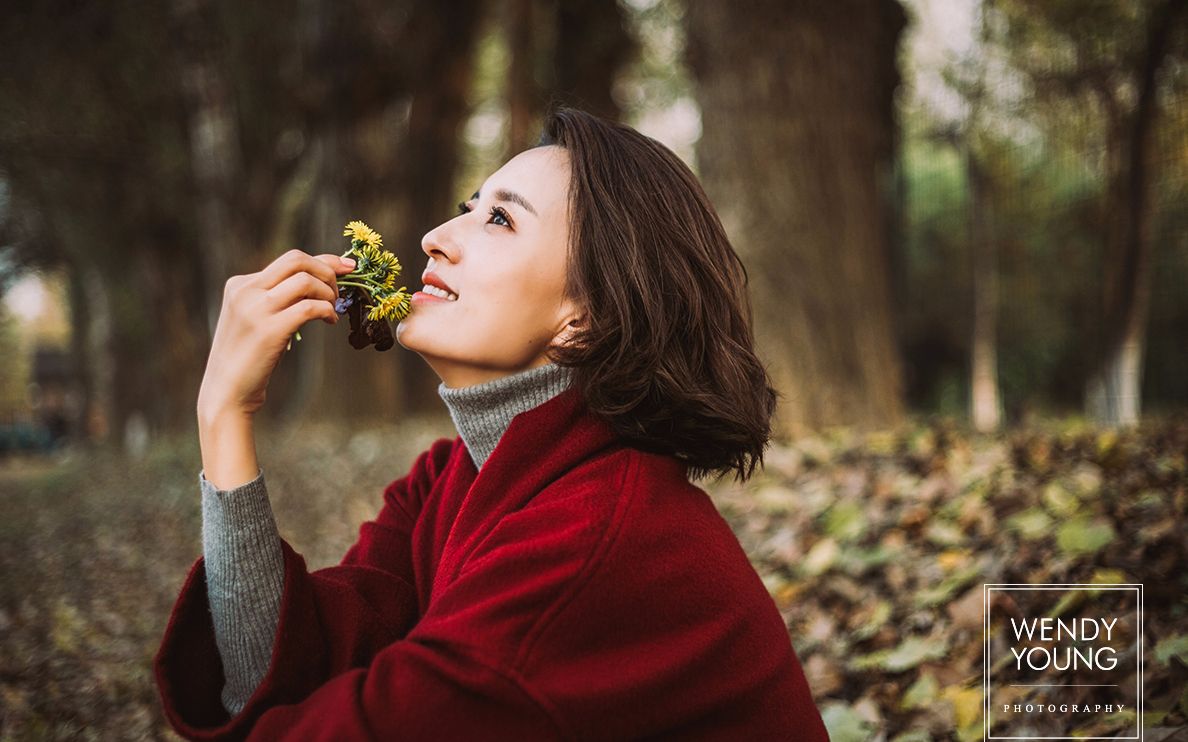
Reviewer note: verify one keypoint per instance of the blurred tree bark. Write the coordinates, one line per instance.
(797, 146)
(1116, 54)
(397, 167)
(92, 146)
(592, 43)
(167, 148)
(1114, 390)
(525, 94)
(214, 149)
(985, 404)
(565, 51)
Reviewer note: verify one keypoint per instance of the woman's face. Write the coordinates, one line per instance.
(507, 269)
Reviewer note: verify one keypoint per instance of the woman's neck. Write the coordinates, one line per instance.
(482, 412)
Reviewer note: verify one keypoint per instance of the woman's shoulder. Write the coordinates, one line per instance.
(434, 460)
(646, 495)
(618, 473)
(659, 551)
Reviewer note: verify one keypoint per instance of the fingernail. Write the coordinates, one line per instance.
(348, 262)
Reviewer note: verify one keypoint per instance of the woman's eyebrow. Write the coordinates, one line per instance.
(502, 194)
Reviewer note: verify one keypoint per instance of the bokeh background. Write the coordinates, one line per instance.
(965, 224)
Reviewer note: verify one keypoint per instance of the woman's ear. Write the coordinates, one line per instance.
(565, 337)
(574, 323)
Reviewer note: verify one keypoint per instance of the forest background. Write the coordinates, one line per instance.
(965, 225)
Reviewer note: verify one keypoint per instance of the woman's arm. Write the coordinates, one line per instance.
(228, 446)
(337, 619)
(244, 566)
(245, 573)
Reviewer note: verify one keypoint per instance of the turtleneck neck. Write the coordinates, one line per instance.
(482, 412)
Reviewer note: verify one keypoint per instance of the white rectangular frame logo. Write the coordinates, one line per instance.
(989, 587)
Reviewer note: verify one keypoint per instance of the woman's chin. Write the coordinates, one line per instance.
(405, 337)
(416, 336)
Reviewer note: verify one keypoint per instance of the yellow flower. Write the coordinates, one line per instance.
(394, 307)
(377, 258)
(357, 230)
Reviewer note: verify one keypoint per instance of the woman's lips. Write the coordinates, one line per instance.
(430, 278)
(421, 297)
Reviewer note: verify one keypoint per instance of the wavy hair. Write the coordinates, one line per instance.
(665, 354)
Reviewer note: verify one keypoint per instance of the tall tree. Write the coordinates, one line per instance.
(168, 147)
(592, 43)
(1113, 393)
(94, 151)
(797, 147)
(1117, 50)
(408, 172)
(562, 51)
(985, 406)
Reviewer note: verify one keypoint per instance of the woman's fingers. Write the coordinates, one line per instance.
(298, 286)
(295, 261)
(305, 310)
(335, 263)
(260, 312)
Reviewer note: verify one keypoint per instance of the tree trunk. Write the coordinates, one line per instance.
(524, 94)
(985, 407)
(985, 404)
(561, 52)
(346, 384)
(428, 166)
(796, 152)
(592, 43)
(100, 409)
(179, 341)
(1114, 389)
(397, 171)
(214, 143)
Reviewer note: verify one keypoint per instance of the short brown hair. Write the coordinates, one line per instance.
(666, 353)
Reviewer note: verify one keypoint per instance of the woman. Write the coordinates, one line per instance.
(550, 573)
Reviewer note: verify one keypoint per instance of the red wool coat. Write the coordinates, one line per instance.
(576, 588)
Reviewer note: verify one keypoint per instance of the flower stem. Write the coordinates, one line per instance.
(367, 286)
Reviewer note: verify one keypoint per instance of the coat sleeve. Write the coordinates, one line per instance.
(456, 675)
(332, 620)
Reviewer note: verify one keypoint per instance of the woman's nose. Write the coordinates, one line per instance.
(438, 243)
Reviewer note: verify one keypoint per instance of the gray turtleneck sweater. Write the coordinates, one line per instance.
(241, 545)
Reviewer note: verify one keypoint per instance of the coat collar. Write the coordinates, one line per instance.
(540, 445)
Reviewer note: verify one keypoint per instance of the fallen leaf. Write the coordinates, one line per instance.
(969, 610)
(1031, 524)
(844, 724)
(966, 703)
(846, 521)
(820, 558)
(1084, 536)
(1172, 646)
(1058, 500)
(921, 693)
(910, 652)
(877, 617)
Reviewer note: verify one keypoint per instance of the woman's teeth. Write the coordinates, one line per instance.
(439, 293)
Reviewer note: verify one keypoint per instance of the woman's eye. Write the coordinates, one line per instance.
(498, 213)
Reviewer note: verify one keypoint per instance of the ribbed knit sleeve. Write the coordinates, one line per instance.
(244, 582)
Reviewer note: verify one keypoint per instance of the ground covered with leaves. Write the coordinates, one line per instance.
(874, 547)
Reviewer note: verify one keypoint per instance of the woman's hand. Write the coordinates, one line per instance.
(260, 313)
